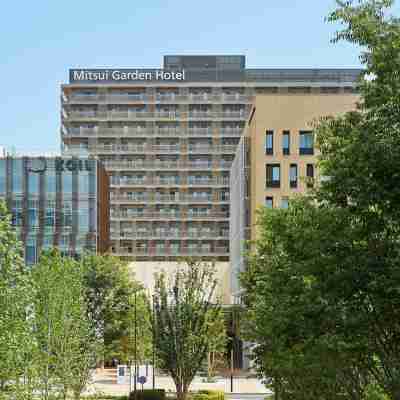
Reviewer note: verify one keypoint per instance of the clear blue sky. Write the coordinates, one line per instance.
(42, 39)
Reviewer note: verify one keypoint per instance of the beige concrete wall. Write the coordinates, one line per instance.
(144, 272)
(292, 112)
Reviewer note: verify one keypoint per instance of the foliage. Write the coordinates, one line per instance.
(110, 291)
(209, 395)
(64, 333)
(148, 394)
(322, 287)
(185, 308)
(16, 345)
(218, 342)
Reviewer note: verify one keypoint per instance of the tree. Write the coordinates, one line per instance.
(109, 290)
(216, 356)
(63, 330)
(185, 308)
(296, 315)
(323, 282)
(16, 345)
(139, 319)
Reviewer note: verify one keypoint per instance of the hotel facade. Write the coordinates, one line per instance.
(276, 160)
(167, 138)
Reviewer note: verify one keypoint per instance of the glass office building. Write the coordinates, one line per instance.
(56, 202)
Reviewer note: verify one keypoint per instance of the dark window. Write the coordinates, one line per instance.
(269, 142)
(306, 142)
(310, 175)
(286, 143)
(273, 175)
(293, 175)
(269, 202)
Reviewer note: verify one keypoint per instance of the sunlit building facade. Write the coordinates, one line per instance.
(167, 138)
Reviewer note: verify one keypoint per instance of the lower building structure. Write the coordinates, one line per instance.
(60, 202)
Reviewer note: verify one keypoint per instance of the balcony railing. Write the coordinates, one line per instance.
(169, 215)
(76, 98)
(170, 234)
(176, 181)
(171, 251)
(143, 115)
(230, 132)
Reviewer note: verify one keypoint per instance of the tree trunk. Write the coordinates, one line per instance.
(181, 391)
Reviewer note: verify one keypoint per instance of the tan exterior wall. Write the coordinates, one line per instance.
(144, 272)
(279, 112)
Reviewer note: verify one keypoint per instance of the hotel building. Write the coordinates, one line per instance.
(57, 202)
(168, 137)
(275, 160)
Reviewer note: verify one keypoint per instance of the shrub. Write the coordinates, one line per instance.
(209, 395)
(148, 394)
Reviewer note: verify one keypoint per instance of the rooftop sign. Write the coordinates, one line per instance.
(124, 75)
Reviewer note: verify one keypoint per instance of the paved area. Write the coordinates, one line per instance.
(243, 388)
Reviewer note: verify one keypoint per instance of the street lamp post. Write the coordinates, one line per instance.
(134, 382)
(154, 344)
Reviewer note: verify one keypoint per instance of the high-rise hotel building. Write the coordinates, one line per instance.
(168, 137)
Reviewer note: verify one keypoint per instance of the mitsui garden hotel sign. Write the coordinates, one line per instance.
(124, 75)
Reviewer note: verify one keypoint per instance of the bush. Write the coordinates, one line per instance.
(209, 395)
(374, 392)
(148, 394)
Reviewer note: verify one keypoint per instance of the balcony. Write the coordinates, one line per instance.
(205, 149)
(129, 199)
(158, 115)
(79, 132)
(236, 98)
(174, 182)
(170, 98)
(171, 251)
(170, 214)
(169, 132)
(122, 148)
(202, 98)
(126, 98)
(165, 148)
(200, 115)
(85, 115)
(200, 132)
(230, 132)
(76, 98)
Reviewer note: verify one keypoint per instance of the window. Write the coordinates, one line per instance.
(293, 175)
(306, 142)
(286, 143)
(310, 175)
(273, 175)
(269, 142)
(269, 202)
(284, 202)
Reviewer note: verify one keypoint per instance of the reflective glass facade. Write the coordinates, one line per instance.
(56, 202)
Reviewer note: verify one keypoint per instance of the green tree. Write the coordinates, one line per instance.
(16, 345)
(323, 282)
(185, 310)
(296, 313)
(64, 332)
(216, 356)
(109, 290)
